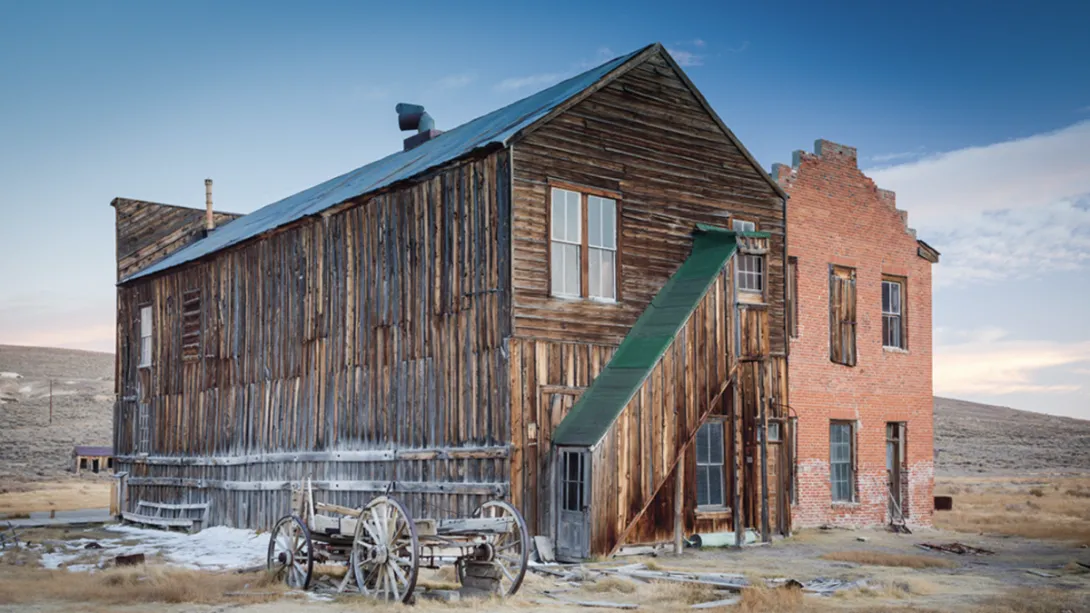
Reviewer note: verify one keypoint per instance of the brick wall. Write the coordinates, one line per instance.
(836, 215)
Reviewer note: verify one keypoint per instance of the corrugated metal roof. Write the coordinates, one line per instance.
(495, 128)
(647, 341)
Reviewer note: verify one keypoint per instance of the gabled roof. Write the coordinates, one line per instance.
(498, 128)
(647, 341)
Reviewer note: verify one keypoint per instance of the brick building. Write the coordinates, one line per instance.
(860, 349)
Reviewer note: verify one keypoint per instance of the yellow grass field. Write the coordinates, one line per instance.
(1041, 508)
(22, 498)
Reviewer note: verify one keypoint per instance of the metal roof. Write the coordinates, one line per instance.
(89, 450)
(495, 128)
(647, 341)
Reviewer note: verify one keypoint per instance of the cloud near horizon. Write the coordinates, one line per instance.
(986, 362)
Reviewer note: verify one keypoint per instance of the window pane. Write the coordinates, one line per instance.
(701, 485)
(601, 222)
(715, 485)
(558, 211)
(739, 225)
(574, 217)
(571, 270)
(603, 276)
(715, 442)
(895, 298)
(702, 445)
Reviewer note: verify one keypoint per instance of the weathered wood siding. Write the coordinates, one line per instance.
(148, 231)
(638, 455)
(546, 380)
(365, 349)
(647, 138)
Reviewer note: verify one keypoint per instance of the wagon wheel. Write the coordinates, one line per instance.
(385, 550)
(510, 550)
(291, 554)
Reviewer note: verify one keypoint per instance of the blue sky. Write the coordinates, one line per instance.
(977, 114)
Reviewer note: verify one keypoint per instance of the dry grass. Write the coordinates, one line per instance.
(770, 600)
(612, 583)
(1058, 509)
(669, 592)
(1037, 600)
(55, 496)
(880, 558)
(135, 585)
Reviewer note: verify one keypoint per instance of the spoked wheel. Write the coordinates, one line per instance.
(384, 551)
(291, 554)
(509, 550)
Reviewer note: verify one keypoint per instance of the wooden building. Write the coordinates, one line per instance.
(549, 303)
(94, 459)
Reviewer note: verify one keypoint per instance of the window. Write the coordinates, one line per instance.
(893, 321)
(709, 465)
(774, 435)
(583, 264)
(742, 225)
(145, 336)
(793, 297)
(841, 469)
(842, 315)
(571, 477)
(751, 272)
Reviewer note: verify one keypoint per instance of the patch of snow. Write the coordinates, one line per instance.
(10, 375)
(26, 389)
(216, 548)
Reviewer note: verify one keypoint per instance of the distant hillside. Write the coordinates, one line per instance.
(979, 438)
(970, 438)
(83, 396)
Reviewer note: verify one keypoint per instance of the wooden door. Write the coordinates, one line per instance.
(572, 500)
(895, 453)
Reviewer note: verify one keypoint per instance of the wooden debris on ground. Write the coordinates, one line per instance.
(958, 548)
(543, 545)
(715, 604)
(603, 604)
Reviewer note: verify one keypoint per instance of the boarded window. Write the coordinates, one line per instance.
(709, 465)
(191, 324)
(841, 469)
(583, 245)
(893, 321)
(751, 269)
(842, 315)
(793, 297)
(145, 336)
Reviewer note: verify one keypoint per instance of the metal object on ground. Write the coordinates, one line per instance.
(944, 503)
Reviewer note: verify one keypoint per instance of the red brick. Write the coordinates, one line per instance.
(836, 214)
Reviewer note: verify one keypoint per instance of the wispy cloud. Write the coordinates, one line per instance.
(987, 363)
(456, 81)
(698, 42)
(884, 158)
(686, 58)
(372, 92)
(534, 80)
(988, 209)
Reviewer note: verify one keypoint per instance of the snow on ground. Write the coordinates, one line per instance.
(215, 548)
(10, 375)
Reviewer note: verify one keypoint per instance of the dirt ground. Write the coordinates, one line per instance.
(1024, 574)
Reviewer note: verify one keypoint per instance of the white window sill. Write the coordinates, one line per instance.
(587, 299)
(717, 511)
(894, 349)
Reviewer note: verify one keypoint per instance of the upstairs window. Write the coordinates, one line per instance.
(842, 315)
(743, 225)
(583, 245)
(709, 465)
(893, 321)
(751, 273)
(145, 336)
(191, 324)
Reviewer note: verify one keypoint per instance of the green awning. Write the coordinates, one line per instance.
(647, 341)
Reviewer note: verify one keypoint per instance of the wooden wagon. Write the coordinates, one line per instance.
(384, 547)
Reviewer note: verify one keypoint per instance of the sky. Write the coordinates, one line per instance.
(977, 114)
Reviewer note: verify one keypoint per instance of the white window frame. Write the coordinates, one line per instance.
(592, 281)
(147, 324)
(890, 315)
(743, 225)
(598, 246)
(708, 464)
(751, 273)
